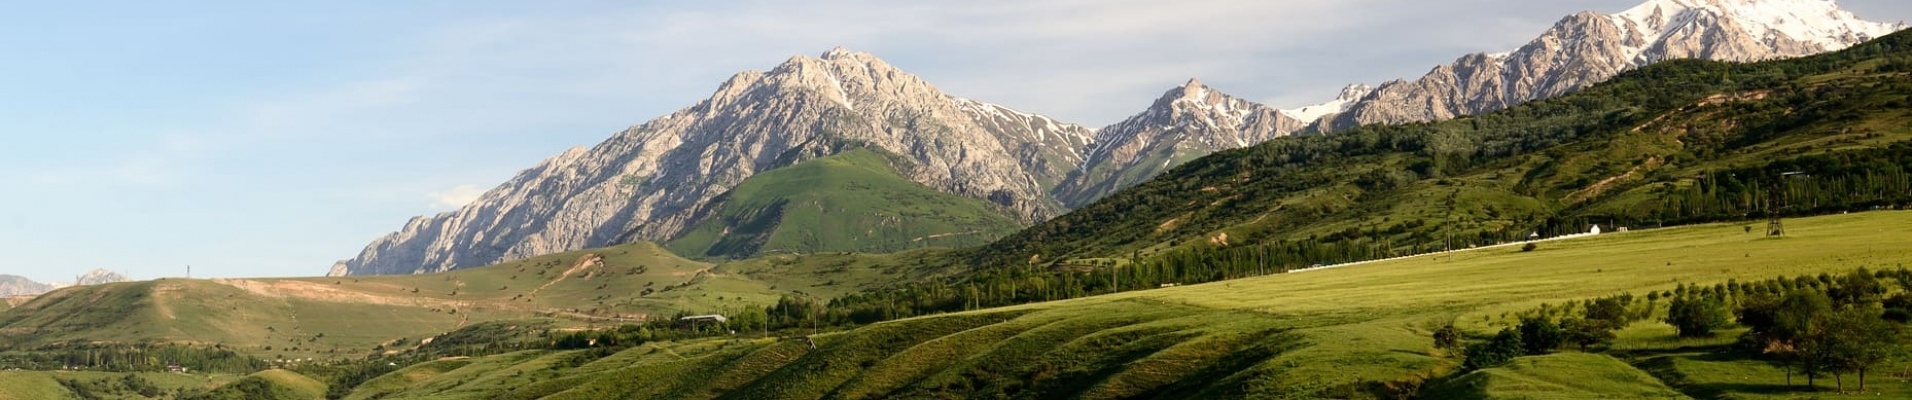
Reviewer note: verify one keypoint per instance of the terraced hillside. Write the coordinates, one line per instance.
(1352, 331)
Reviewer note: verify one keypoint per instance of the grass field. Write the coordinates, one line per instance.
(348, 317)
(38, 385)
(1346, 332)
(1556, 376)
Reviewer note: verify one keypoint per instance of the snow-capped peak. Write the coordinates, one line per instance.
(1817, 22)
(1340, 104)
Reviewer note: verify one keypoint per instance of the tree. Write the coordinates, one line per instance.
(1539, 335)
(1587, 333)
(1859, 339)
(1697, 317)
(1799, 324)
(1447, 337)
(1496, 352)
(1856, 289)
(1612, 310)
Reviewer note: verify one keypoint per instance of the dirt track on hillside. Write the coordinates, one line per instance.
(282, 289)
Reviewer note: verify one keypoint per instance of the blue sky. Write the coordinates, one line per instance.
(256, 139)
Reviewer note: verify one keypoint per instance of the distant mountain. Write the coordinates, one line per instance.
(1678, 142)
(100, 277)
(649, 181)
(1588, 47)
(1580, 50)
(12, 285)
(1186, 123)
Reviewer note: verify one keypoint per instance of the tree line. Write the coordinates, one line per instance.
(1813, 326)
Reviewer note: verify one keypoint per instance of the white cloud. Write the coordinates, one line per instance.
(455, 197)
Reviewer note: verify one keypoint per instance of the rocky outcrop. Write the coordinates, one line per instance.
(1186, 123)
(1587, 48)
(645, 182)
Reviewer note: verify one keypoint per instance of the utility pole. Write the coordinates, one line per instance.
(189, 271)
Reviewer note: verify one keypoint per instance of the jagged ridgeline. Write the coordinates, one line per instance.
(1679, 142)
(656, 181)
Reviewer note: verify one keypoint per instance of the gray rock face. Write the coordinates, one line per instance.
(646, 182)
(1587, 48)
(1579, 51)
(1188, 122)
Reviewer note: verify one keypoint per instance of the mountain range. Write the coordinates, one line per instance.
(657, 181)
(14, 285)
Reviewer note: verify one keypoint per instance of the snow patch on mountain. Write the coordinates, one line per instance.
(1340, 104)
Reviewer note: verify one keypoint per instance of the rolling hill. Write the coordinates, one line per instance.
(1353, 331)
(849, 202)
(348, 317)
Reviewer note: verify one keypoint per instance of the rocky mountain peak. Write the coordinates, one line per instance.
(1355, 92)
(1817, 25)
(649, 182)
(1187, 122)
(1589, 47)
(1349, 95)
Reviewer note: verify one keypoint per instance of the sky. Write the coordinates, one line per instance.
(261, 139)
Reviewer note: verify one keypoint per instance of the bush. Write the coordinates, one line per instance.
(1539, 335)
(1502, 349)
(1587, 333)
(1447, 337)
(1697, 317)
(1530, 247)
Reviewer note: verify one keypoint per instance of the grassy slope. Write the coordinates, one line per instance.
(346, 317)
(853, 201)
(38, 385)
(1557, 376)
(292, 384)
(1342, 331)
(32, 385)
(1646, 130)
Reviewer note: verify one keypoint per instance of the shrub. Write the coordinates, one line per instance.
(1539, 335)
(1496, 352)
(1697, 317)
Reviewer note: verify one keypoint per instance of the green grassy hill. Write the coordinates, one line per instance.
(274, 384)
(1344, 332)
(47, 385)
(347, 317)
(849, 202)
(1557, 376)
(1679, 142)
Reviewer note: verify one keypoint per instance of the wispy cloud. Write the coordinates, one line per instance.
(455, 197)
